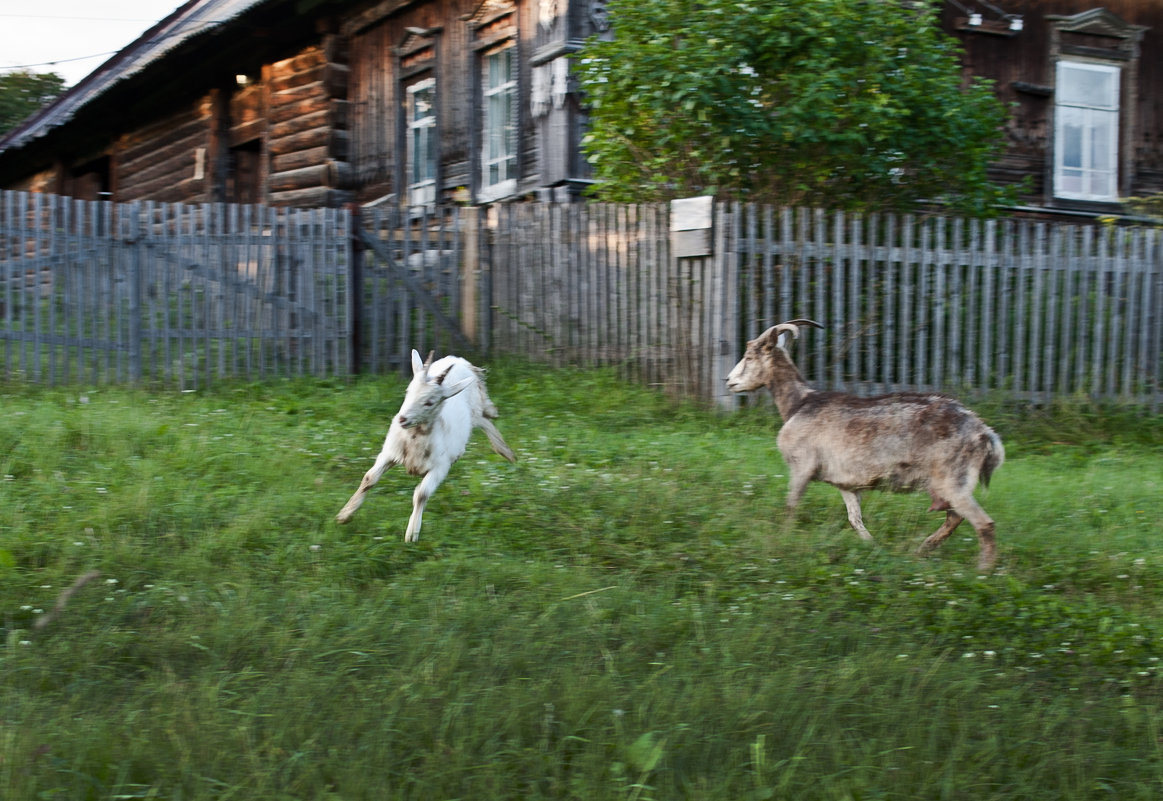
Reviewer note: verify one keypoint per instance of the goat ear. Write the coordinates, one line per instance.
(458, 387)
(782, 341)
(418, 366)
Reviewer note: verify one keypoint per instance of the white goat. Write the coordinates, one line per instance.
(903, 442)
(431, 431)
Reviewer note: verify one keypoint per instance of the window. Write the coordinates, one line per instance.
(244, 181)
(499, 157)
(1086, 131)
(90, 181)
(422, 145)
(493, 37)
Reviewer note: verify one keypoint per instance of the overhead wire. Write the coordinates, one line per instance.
(54, 62)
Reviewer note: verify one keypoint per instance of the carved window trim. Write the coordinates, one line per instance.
(494, 27)
(417, 59)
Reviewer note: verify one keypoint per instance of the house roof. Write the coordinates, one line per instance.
(197, 18)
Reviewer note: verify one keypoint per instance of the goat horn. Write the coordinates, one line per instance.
(785, 328)
(802, 322)
(792, 327)
(428, 361)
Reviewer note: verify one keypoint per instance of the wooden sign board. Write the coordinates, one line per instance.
(691, 226)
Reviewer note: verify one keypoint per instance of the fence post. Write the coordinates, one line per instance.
(724, 333)
(486, 221)
(355, 291)
(470, 290)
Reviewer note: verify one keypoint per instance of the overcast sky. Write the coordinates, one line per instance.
(72, 37)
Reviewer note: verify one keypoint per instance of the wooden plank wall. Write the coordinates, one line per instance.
(1029, 309)
(595, 284)
(1021, 67)
(187, 294)
(376, 111)
(180, 295)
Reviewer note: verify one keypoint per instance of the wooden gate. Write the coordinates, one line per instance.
(407, 269)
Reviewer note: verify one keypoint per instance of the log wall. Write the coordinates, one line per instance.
(169, 160)
(307, 122)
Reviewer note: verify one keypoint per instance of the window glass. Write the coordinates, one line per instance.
(500, 126)
(421, 115)
(1086, 131)
(1088, 85)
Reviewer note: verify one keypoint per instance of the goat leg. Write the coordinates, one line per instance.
(939, 504)
(420, 497)
(382, 463)
(988, 556)
(852, 501)
(952, 521)
(982, 523)
(968, 507)
(797, 483)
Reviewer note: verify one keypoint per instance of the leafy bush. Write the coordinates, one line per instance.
(848, 104)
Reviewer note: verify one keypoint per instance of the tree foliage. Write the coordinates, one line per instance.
(23, 93)
(854, 104)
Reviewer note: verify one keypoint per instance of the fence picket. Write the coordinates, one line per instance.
(1134, 364)
(1116, 333)
(818, 242)
(1153, 330)
(941, 304)
(840, 321)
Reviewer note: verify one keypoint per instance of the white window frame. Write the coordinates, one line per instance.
(421, 188)
(1090, 121)
(499, 138)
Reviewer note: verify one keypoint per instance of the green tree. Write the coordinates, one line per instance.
(856, 104)
(23, 93)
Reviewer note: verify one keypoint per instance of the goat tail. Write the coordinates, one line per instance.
(497, 441)
(994, 456)
(501, 447)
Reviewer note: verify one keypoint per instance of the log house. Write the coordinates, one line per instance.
(327, 102)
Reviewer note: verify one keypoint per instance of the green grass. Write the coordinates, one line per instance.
(620, 615)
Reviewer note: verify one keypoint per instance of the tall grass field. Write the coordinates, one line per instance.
(623, 614)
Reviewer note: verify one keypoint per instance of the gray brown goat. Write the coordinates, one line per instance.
(903, 442)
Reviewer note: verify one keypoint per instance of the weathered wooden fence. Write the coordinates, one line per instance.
(102, 292)
(598, 284)
(1029, 309)
(184, 295)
